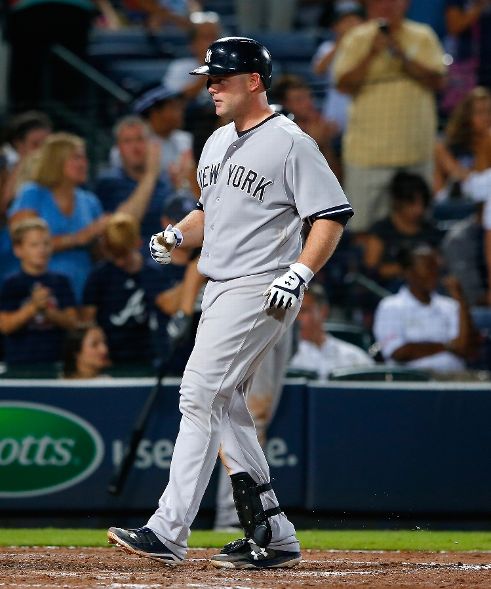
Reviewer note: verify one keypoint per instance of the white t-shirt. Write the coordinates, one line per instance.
(331, 355)
(401, 319)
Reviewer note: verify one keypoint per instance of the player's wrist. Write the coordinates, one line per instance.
(303, 271)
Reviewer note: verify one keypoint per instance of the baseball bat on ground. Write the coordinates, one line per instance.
(121, 471)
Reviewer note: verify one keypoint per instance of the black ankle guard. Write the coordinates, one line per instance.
(252, 516)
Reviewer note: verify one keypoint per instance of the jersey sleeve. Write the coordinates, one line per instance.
(312, 184)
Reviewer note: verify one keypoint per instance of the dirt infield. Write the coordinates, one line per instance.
(71, 568)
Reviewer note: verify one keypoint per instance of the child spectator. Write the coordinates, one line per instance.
(36, 305)
(73, 214)
(120, 294)
(85, 353)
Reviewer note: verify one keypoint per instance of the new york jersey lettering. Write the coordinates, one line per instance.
(247, 181)
(208, 175)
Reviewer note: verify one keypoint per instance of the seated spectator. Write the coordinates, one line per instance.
(318, 351)
(336, 104)
(163, 110)
(135, 185)
(418, 327)
(120, 294)
(26, 132)
(406, 226)
(466, 144)
(295, 95)
(74, 215)
(463, 251)
(36, 305)
(85, 353)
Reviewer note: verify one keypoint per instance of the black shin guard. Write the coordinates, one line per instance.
(252, 516)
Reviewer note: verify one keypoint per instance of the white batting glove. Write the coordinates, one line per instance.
(161, 252)
(286, 290)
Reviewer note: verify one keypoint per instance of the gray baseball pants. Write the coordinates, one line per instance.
(234, 334)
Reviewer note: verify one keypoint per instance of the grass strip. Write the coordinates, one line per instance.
(419, 540)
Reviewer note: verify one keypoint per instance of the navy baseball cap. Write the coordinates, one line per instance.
(178, 207)
(153, 97)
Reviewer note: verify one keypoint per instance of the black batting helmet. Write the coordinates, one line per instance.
(237, 55)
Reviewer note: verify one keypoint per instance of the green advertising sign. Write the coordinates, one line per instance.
(44, 449)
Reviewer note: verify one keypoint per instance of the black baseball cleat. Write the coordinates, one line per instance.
(144, 542)
(244, 554)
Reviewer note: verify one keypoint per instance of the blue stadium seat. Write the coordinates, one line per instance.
(294, 46)
(135, 75)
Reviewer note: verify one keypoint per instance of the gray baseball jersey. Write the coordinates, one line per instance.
(254, 207)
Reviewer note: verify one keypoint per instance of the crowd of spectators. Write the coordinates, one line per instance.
(403, 119)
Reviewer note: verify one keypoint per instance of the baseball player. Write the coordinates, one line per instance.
(261, 177)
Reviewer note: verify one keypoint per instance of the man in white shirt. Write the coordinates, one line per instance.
(318, 351)
(420, 328)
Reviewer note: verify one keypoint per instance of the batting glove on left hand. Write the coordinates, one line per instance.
(161, 252)
(285, 291)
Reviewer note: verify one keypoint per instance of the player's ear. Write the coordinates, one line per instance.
(255, 82)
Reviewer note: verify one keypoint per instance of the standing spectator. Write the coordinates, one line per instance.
(392, 67)
(85, 353)
(469, 27)
(420, 328)
(36, 305)
(120, 294)
(73, 214)
(319, 352)
(336, 104)
(466, 145)
(295, 95)
(406, 226)
(163, 109)
(136, 184)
